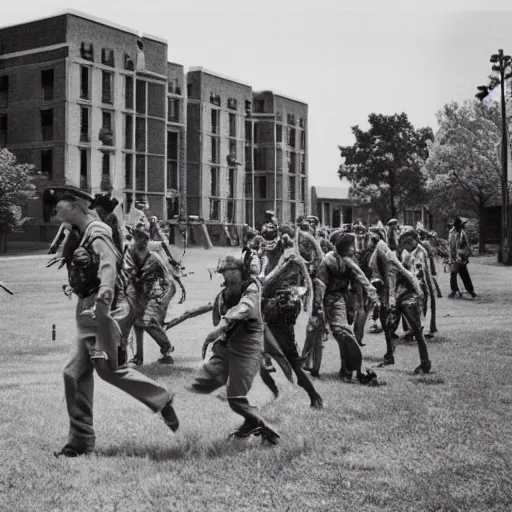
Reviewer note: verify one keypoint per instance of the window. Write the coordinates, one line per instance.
(47, 76)
(190, 90)
(248, 185)
(215, 99)
(172, 160)
(290, 119)
(106, 133)
(292, 160)
(215, 117)
(232, 104)
(4, 91)
(47, 163)
(215, 141)
(279, 133)
(85, 90)
(303, 190)
(106, 121)
(106, 183)
(107, 57)
(248, 107)
(302, 163)
(291, 137)
(302, 140)
(173, 110)
(47, 124)
(259, 106)
(140, 134)
(214, 182)
(140, 97)
(87, 51)
(128, 92)
(106, 87)
(231, 182)
(293, 212)
(327, 214)
(302, 123)
(84, 182)
(128, 170)
(140, 172)
(279, 117)
(232, 149)
(173, 86)
(248, 131)
(232, 125)
(3, 130)
(291, 188)
(231, 211)
(84, 125)
(128, 132)
(129, 65)
(262, 187)
(214, 209)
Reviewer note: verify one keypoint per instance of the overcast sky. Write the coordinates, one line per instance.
(345, 59)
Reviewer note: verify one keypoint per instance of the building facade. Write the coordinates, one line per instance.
(280, 157)
(334, 207)
(216, 112)
(85, 102)
(95, 105)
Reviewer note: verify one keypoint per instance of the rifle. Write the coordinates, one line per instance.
(2, 285)
(177, 267)
(191, 313)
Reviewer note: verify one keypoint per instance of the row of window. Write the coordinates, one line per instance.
(264, 160)
(261, 187)
(107, 55)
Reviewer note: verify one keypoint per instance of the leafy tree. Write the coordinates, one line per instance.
(463, 172)
(384, 165)
(15, 186)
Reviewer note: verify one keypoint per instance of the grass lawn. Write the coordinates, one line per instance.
(437, 443)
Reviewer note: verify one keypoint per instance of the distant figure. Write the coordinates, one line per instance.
(458, 259)
(141, 59)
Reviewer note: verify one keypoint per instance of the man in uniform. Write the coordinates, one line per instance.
(93, 276)
(238, 345)
(151, 288)
(337, 271)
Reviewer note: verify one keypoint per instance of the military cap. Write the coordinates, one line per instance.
(392, 222)
(229, 263)
(58, 193)
(313, 219)
(287, 229)
(140, 230)
(105, 201)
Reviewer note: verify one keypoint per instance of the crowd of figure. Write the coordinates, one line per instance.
(126, 281)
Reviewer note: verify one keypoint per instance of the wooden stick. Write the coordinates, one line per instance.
(2, 285)
(191, 313)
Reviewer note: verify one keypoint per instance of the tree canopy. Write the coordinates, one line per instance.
(15, 185)
(463, 172)
(384, 164)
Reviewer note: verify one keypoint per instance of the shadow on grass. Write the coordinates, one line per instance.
(192, 445)
(428, 380)
(165, 370)
(37, 350)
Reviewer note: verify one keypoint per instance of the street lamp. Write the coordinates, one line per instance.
(502, 65)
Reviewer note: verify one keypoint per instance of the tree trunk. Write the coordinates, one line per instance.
(481, 241)
(392, 195)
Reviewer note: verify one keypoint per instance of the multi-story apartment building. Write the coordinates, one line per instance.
(85, 101)
(280, 156)
(216, 108)
(96, 105)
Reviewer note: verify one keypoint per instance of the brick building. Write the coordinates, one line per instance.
(216, 112)
(85, 101)
(96, 105)
(280, 156)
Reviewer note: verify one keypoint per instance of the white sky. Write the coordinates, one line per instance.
(345, 59)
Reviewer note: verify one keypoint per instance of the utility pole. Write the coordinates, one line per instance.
(500, 64)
